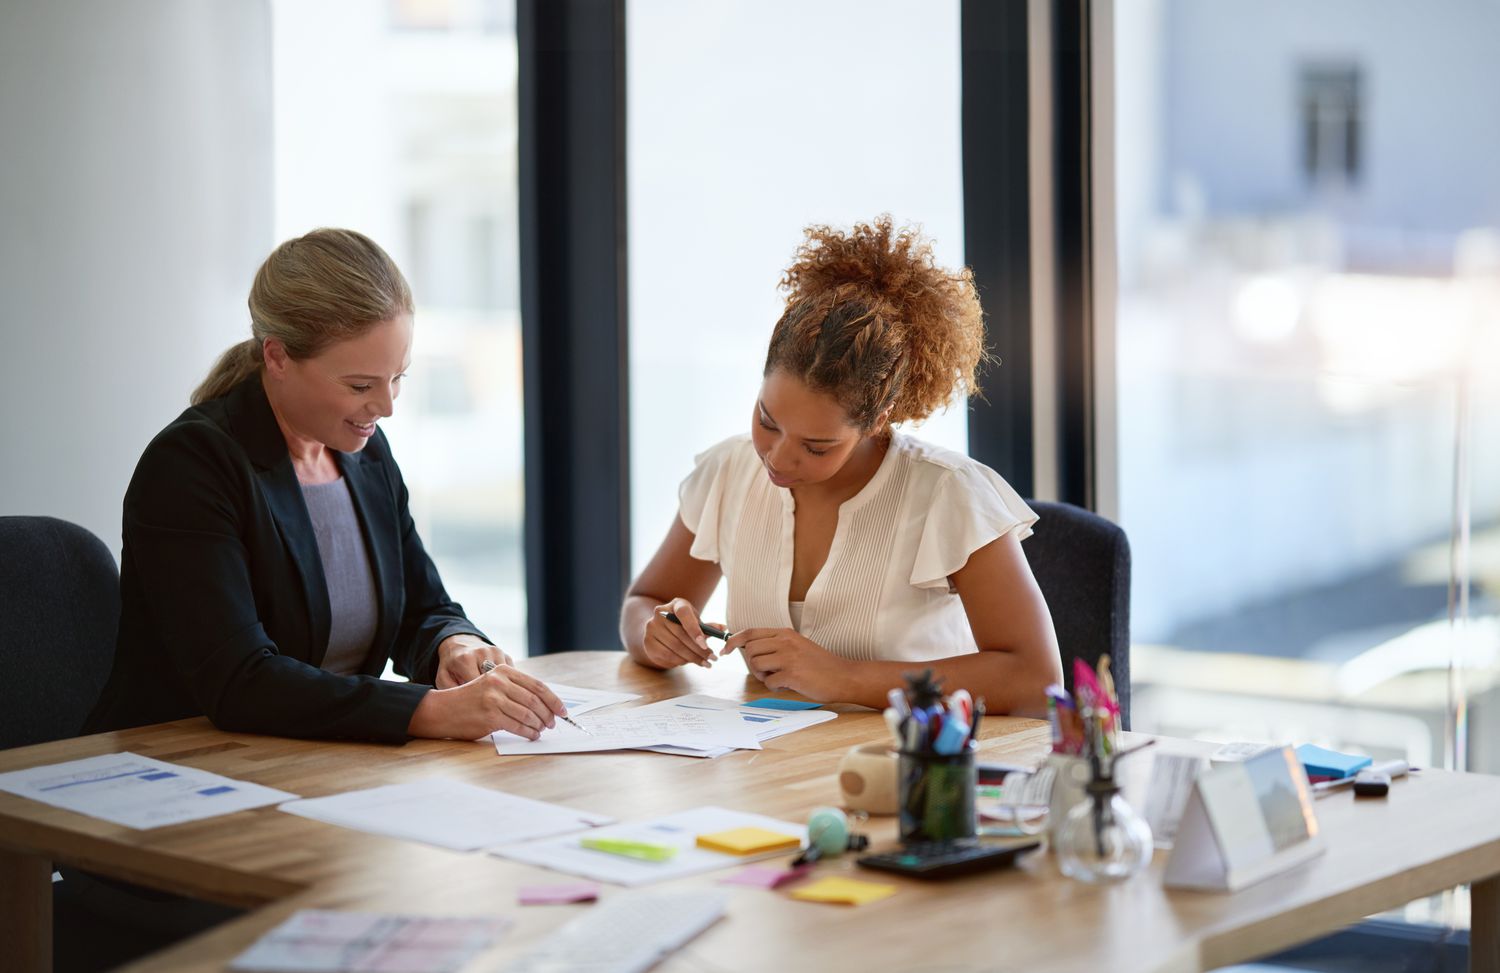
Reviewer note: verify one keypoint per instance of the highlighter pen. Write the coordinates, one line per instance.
(707, 629)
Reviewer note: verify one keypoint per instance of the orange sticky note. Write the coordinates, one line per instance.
(845, 891)
(749, 841)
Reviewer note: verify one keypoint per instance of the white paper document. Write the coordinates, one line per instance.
(447, 813)
(319, 941)
(767, 723)
(579, 700)
(136, 791)
(641, 726)
(680, 831)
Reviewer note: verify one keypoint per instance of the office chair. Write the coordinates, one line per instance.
(58, 617)
(1082, 564)
(57, 627)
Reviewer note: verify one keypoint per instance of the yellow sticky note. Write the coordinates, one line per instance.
(749, 841)
(843, 890)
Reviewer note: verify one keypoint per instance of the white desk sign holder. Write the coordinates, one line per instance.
(1243, 823)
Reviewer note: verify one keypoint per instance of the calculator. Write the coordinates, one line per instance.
(946, 859)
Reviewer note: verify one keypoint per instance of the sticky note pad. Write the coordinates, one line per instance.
(846, 891)
(1319, 762)
(749, 841)
(640, 850)
(766, 876)
(783, 704)
(558, 894)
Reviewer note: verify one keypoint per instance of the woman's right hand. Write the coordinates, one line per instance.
(505, 698)
(670, 644)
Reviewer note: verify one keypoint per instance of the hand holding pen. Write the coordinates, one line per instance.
(675, 636)
(488, 666)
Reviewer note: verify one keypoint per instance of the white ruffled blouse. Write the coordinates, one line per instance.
(884, 591)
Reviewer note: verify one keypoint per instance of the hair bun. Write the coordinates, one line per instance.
(922, 329)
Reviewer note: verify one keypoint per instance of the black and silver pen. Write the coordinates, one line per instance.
(712, 631)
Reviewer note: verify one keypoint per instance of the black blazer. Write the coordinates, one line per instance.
(224, 607)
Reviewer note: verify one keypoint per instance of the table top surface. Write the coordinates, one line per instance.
(1435, 830)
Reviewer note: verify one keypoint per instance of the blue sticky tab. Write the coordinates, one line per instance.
(1319, 762)
(783, 704)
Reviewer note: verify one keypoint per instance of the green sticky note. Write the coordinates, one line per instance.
(641, 850)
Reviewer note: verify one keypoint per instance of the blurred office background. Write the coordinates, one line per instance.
(1297, 294)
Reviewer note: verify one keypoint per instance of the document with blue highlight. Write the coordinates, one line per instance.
(138, 792)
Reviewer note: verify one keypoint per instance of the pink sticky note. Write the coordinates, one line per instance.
(558, 894)
(765, 876)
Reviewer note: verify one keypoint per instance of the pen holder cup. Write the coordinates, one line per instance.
(936, 792)
(867, 779)
(1068, 789)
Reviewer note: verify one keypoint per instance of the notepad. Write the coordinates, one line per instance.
(845, 891)
(766, 876)
(749, 841)
(1319, 762)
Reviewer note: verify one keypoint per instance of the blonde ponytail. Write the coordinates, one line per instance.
(326, 286)
(233, 367)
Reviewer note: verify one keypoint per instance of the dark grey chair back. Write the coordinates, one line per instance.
(59, 605)
(1082, 563)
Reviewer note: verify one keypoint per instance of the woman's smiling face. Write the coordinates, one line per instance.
(337, 396)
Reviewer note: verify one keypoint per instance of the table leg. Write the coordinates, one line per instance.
(26, 912)
(1484, 926)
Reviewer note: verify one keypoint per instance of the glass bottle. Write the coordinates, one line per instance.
(1103, 839)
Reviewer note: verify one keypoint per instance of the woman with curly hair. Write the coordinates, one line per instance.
(851, 550)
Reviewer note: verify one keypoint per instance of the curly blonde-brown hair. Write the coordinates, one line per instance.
(873, 320)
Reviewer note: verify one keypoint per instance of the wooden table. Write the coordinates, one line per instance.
(1435, 831)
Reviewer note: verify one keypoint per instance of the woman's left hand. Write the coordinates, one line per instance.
(785, 659)
(460, 658)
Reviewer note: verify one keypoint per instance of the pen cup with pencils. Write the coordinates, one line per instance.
(936, 739)
(937, 796)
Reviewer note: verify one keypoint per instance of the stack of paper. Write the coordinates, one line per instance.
(768, 723)
(690, 726)
(136, 791)
(641, 726)
(447, 813)
(318, 941)
(579, 700)
(679, 831)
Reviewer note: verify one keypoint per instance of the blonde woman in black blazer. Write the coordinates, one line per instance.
(227, 607)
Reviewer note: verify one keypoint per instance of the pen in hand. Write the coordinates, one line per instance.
(489, 664)
(712, 631)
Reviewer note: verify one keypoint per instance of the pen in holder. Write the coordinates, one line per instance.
(937, 796)
(936, 775)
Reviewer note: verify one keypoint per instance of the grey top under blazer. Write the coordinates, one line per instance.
(224, 605)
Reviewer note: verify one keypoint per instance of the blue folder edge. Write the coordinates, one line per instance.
(783, 704)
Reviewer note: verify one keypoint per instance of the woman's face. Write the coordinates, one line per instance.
(802, 436)
(336, 396)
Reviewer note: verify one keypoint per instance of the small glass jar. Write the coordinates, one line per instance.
(1103, 839)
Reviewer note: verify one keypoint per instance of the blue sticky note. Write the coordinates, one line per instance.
(783, 704)
(1319, 762)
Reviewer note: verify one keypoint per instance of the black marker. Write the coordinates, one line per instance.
(709, 630)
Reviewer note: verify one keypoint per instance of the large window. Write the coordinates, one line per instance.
(399, 120)
(1309, 386)
(748, 121)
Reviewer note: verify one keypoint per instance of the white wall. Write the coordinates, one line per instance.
(135, 205)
